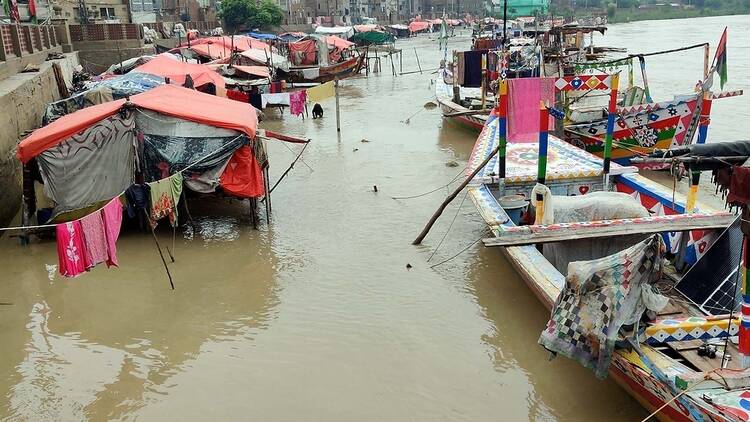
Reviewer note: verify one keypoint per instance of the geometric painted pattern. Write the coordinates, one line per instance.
(691, 328)
(584, 82)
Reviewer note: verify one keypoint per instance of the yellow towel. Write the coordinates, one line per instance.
(320, 92)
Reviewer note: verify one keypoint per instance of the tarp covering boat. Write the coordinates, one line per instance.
(292, 36)
(167, 99)
(177, 71)
(343, 31)
(600, 296)
(266, 58)
(372, 37)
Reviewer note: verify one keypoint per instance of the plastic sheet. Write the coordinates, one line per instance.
(594, 206)
(129, 84)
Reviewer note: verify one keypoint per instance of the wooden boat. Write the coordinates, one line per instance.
(345, 69)
(664, 369)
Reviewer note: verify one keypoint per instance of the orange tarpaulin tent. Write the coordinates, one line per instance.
(176, 71)
(170, 100)
(241, 43)
(336, 42)
(418, 26)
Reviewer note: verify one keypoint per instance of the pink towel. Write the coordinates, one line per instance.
(94, 239)
(70, 248)
(524, 99)
(297, 102)
(112, 216)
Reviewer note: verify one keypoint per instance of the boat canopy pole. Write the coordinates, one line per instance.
(502, 132)
(610, 127)
(542, 160)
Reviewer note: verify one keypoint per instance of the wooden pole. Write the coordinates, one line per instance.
(610, 127)
(646, 90)
(338, 110)
(502, 112)
(484, 78)
(158, 247)
(706, 49)
(541, 174)
(452, 196)
(695, 175)
(267, 194)
(744, 329)
(417, 56)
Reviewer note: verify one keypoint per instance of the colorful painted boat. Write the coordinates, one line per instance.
(665, 371)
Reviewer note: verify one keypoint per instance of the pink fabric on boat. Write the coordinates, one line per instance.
(112, 216)
(524, 96)
(70, 248)
(94, 239)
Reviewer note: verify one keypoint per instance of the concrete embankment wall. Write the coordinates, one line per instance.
(22, 100)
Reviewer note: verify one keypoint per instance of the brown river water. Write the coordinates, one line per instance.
(316, 316)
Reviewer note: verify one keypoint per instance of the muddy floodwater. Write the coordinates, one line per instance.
(316, 316)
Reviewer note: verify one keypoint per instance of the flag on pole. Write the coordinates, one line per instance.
(720, 59)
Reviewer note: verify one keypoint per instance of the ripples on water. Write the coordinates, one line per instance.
(317, 317)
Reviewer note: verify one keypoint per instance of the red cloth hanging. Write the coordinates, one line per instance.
(243, 177)
(238, 96)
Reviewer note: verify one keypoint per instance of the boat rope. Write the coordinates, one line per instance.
(655, 53)
(449, 226)
(432, 191)
(459, 252)
(655, 412)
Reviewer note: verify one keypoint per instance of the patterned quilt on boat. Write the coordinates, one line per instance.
(599, 297)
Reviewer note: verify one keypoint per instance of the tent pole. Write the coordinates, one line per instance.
(338, 110)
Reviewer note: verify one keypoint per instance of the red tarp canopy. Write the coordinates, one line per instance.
(241, 43)
(365, 28)
(418, 26)
(305, 50)
(261, 71)
(176, 71)
(336, 42)
(171, 100)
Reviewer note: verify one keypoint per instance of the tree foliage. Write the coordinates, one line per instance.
(250, 14)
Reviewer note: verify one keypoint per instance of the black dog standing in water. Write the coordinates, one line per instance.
(317, 111)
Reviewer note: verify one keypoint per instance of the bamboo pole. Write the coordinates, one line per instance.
(158, 247)
(695, 175)
(646, 89)
(417, 56)
(452, 196)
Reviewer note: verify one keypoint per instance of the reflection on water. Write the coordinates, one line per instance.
(317, 315)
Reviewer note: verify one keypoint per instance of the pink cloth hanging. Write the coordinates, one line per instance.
(70, 248)
(112, 216)
(94, 239)
(297, 102)
(524, 96)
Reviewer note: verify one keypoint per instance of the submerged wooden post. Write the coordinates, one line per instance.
(541, 174)
(417, 56)
(338, 111)
(615, 81)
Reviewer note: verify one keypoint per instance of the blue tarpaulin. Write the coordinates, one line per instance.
(130, 84)
(262, 36)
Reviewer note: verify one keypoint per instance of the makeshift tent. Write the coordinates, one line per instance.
(126, 66)
(177, 71)
(344, 32)
(317, 49)
(90, 155)
(365, 28)
(240, 43)
(292, 36)
(128, 84)
(262, 36)
(334, 41)
(254, 71)
(266, 58)
(418, 26)
(372, 37)
(88, 98)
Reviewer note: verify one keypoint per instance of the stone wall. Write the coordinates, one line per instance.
(23, 97)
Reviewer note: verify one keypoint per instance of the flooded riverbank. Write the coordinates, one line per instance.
(316, 316)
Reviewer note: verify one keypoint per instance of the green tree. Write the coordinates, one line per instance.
(611, 9)
(250, 14)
